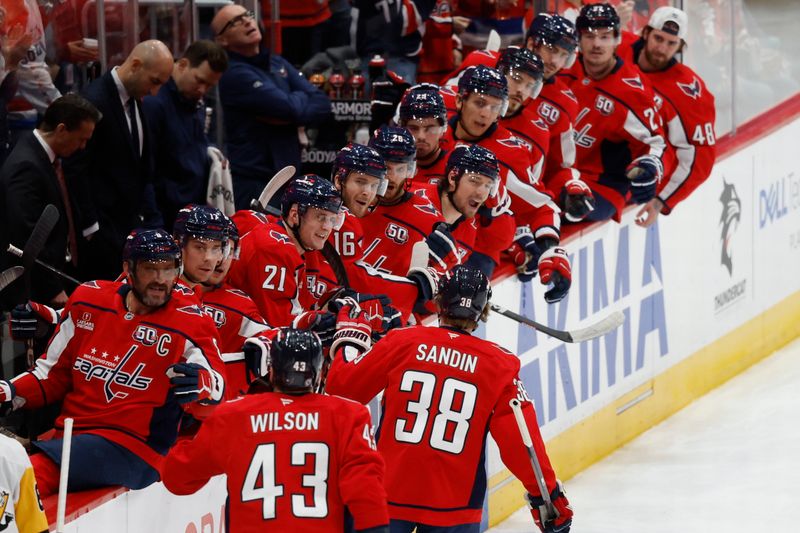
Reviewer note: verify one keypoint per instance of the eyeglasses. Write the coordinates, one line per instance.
(237, 20)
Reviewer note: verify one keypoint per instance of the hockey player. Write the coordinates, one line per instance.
(236, 316)
(21, 509)
(482, 99)
(423, 114)
(360, 173)
(444, 389)
(201, 232)
(618, 132)
(553, 39)
(401, 219)
(687, 109)
(271, 266)
(298, 457)
(123, 360)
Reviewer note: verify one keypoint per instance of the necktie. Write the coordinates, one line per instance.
(72, 243)
(134, 125)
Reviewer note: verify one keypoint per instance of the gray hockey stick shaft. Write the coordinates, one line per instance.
(19, 253)
(598, 329)
(36, 242)
(548, 512)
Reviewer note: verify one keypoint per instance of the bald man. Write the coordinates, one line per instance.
(265, 100)
(112, 178)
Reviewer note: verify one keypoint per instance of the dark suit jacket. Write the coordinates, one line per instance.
(111, 184)
(27, 184)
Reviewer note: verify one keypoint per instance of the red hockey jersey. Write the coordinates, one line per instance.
(433, 172)
(271, 271)
(531, 204)
(108, 366)
(391, 231)
(438, 43)
(558, 107)
(236, 316)
(293, 463)
(443, 391)
(618, 121)
(348, 242)
(689, 114)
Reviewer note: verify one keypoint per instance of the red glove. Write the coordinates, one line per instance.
(190, 383)
(577, 199)
(322, 323)
(562, 522)
(554, 268)
(353, 332)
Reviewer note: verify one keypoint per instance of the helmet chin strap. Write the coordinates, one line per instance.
(296, 232)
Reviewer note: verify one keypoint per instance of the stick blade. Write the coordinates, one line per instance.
(41, 231)
(598, 329)
(9, 275)
(275, 183)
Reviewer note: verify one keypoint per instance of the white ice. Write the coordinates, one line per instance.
(727, 463)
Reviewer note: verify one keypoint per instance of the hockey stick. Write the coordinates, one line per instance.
(546, 512)
(36, 242)
(66, 451)
(598, 329)
(19, 253)
(10, 275)
(281, 178)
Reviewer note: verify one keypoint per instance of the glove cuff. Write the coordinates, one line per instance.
(427, 281)
(7, 391)
(344, 338)
(260, 367)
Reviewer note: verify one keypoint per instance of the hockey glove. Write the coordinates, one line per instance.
(525, 253)
(427, 280)
(560, 523)
(554, 268)
(392, 318)
(577, 199)
(353, 332)
(256, 357)
(190, 382)
(644, 172)
(7, 398)
(32, 321)
(442, 247)
(320, 322)
(495, 206)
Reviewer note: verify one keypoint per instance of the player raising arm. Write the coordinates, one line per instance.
(444, 389)
(298, 457)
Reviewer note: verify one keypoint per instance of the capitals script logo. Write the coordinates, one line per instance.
(692, 90)
(116, 376)
(731, 215)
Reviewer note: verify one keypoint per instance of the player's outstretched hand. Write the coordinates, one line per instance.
(190, 382)
(353, 332)
(577, 199)
(323, 323)
(558, 524)
(554, 267)
(525, 253)
(442, 247)
(644, 172)
(32, 321)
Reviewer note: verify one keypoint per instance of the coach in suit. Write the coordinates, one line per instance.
(112, 178)
(30, 179)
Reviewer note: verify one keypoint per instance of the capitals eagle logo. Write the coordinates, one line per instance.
(692, 90)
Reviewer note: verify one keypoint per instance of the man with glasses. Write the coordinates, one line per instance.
(125, 359)
(265, 100)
